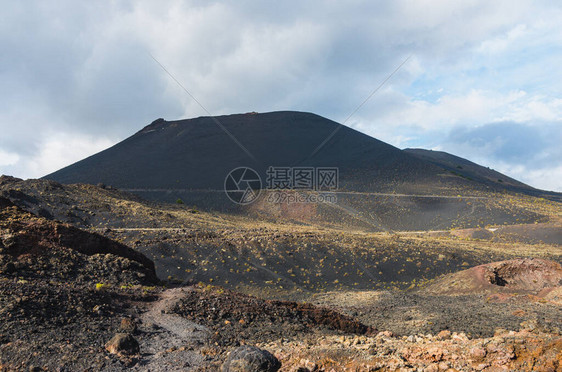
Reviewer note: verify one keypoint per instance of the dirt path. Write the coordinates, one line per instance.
(433, 196)
(141, 229)
(170, 342)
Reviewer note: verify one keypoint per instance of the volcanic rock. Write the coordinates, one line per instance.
(123, 343)
(251, 359)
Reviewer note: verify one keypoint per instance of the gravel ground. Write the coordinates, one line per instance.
(477, 315)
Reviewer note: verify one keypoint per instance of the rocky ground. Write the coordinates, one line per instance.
(32, 246)
(475, 301)
(59, 326)
(281, 259)
(73, 299)
(63, 292)
(476, 315)
(445, 351)
(239, 319)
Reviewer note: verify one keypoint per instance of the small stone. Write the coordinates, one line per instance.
(251, 359)
(435, 353)
(102, 309)
(308, 365)
(478, 353)
(123, 343)
(4, 339)
(128, 325)
(499, 332)
(385, 334)
(433, 367)
(529, 325)
(491, 348)
(444, 335)
(481, 366)
(9, 268)
(461, 337)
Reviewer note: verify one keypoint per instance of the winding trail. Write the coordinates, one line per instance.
(169, 342)
(385, 194)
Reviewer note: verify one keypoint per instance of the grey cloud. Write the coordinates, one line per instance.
(83, 67)
(532, 145)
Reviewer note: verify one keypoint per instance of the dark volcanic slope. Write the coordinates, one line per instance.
(190, 159)
(466, 168)
(198, 154)
(483, 175)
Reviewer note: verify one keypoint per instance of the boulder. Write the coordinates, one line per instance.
(251, 359)
(123, 343)
(128, 325)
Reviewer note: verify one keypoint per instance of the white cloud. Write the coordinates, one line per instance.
(501, 43)
(474, 107)
(55, 152)
(546, 179)
(8, 158)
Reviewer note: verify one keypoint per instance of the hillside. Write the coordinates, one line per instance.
(75, 300)
(280, 256)
(472, 171)
(67, 295)
(381, 188)
(197, 154)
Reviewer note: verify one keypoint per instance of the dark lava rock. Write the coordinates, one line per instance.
(123, 343)
(252, 320)
(251, 359)
(128, 325)
(38, 248)
(4, 339)
(5, 203)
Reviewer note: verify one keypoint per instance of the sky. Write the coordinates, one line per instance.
(482, 79)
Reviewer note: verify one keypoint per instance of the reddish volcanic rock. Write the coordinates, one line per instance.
(530, 276)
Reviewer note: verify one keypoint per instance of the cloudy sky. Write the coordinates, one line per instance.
(483, 81)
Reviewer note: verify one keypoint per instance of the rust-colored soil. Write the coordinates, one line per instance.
(530, 276)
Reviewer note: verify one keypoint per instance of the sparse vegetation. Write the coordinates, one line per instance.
(376, 278)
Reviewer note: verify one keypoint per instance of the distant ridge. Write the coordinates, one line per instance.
(472, 171)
